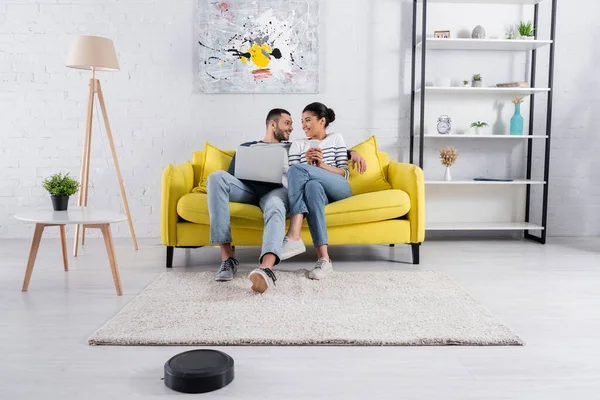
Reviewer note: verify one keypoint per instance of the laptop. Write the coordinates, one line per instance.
(261, 163)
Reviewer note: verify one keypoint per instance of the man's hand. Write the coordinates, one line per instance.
(314, 156)
(358, 162)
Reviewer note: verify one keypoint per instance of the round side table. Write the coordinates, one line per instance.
(89, 217)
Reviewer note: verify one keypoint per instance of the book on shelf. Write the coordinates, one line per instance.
(519, 84)
(482, 179)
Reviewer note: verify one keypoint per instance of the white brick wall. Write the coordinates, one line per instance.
(157, 119)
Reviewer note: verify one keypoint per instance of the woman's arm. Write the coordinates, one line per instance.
(335, 170)
(341, 157)
(294, 153)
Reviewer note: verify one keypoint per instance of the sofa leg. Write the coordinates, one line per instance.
(392, 245)
(170, 256)
(415, 252)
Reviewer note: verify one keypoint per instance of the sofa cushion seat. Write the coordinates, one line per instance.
(359, 209)
(193, 207)
(368, 207)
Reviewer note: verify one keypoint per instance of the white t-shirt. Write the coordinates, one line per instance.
(334, 150)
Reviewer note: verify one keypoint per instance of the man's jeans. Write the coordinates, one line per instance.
(310, 189)
(224, 188)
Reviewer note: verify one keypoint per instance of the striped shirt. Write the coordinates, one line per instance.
(334, 150)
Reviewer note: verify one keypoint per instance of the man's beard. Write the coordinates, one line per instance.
(280, 135)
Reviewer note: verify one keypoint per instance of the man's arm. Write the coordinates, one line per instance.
(357, 161)
(231, 169)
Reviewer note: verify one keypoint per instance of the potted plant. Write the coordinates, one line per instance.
(60, 188)
(478, 127)
(465, 83)
(526, 30)
(477, 82)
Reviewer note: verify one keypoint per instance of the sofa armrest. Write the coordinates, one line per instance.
(410, 178)
(177, 180)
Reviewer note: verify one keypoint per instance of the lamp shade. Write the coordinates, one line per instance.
(93, 52)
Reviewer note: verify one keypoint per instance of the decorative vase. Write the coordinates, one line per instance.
(447, 176)
(516, 122)
(60, 203)
(478, 32)
(477, 84)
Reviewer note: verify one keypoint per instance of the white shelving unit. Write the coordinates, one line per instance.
(483, 90)
(484, 44)
(469, 136)
(466, 204)
(483, 226)
(485, 183)
(524, 2)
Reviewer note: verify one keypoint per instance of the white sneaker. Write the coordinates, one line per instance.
(291, 248)
(323, 267)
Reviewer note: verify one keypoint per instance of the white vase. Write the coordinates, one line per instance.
(447, 176)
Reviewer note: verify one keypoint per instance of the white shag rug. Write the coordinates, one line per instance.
(346, 308)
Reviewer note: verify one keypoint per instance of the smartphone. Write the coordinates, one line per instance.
(314, 144)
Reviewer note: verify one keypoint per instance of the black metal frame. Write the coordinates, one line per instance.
(542, 238)
(171, 250)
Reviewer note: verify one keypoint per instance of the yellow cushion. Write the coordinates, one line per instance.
(215, 159)
(373, 180)
(197, 163)
(363, 208)
(368, 207)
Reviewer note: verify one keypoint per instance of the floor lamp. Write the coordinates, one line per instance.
(96, 54)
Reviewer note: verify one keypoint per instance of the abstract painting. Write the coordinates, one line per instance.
(258, 46)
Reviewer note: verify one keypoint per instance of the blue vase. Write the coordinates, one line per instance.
(516, 122)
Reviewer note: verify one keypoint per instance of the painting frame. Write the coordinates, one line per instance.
(257, 46)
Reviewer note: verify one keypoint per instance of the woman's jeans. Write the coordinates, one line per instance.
(310, 189)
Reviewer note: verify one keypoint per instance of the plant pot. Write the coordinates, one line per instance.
(479, 131)
(527, 38)
(477, 84)
(60, 203)
(465, 84)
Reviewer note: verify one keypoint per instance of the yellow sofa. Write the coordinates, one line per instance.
(395, 216)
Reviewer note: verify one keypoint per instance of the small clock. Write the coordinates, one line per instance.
(444, 125)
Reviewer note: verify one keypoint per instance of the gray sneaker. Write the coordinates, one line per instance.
(227, 269)
(323, 267)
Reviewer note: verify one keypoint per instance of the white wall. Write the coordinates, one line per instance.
(157, 119)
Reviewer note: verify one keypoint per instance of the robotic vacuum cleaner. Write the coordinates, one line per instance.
(199, 371)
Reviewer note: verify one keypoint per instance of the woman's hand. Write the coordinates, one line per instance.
(314, 156)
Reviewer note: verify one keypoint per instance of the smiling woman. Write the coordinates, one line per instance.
(252, 46)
